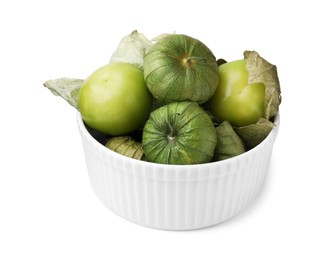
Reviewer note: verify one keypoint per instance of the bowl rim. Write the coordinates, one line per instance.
(84, 132)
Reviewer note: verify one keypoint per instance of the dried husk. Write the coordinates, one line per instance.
(132, 49)
(125, 145)
(254, 134)
(67, 88)
(229, 143)
(261, 71)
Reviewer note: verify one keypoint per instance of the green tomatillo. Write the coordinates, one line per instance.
(235, 100)
(180, 68)
(179, 133)
(248, 90)
(114, 99)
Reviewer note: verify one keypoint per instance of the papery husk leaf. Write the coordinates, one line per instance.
(229, 143)
(67, 88)
(261, 71)
(132, 49)
(254, 134)
(125, 145)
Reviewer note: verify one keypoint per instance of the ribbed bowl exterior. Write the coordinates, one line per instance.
(176, 197)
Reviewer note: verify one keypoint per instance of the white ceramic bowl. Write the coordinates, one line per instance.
(176, 197)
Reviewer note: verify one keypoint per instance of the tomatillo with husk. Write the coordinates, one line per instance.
(179, 133)
(248, 90)
(181, 68)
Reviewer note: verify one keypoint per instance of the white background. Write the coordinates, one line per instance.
(47, 207)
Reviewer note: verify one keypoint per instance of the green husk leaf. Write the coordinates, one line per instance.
(261, 71)
(229, 143)
(132, 49)
(254, 134)
(125, 145)
(66, 88)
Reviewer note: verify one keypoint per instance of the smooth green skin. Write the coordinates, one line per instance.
(235, 100)
(114, 99)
